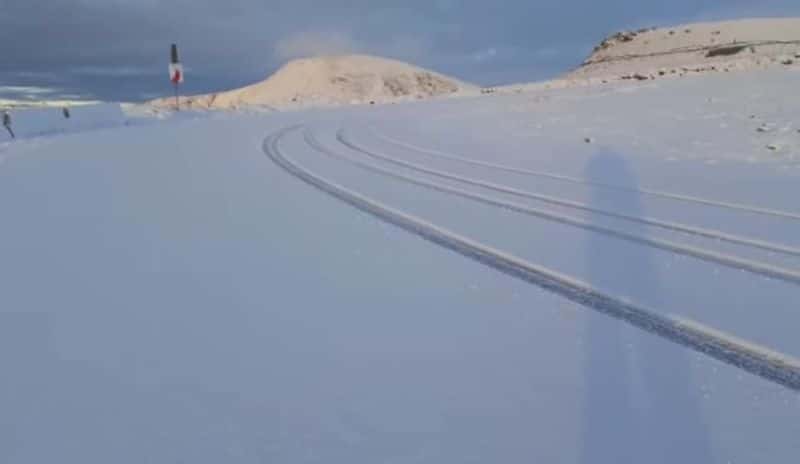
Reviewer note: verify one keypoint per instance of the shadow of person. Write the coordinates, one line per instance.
(640, 404)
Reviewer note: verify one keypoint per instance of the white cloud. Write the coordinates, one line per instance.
(318, 43)
(26, 90)
(114, 71)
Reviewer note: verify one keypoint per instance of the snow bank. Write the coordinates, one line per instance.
(45, 121)
(333, 80)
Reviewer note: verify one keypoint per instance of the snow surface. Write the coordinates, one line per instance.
(171, 294)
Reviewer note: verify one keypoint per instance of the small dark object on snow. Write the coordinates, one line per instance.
(7, 124)
(725, 51)
(65, 111)
(588, 140)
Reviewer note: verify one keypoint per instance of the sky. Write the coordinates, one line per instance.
(119, 49)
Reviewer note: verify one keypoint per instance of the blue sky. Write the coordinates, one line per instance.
(117, 49)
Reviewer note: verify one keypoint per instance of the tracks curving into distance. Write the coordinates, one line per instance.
(775, 367)
(576, 180)
(765, 270)
(342, 137)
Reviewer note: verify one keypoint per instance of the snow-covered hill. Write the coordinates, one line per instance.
(680, 52)
(333, 80)
(695, 48)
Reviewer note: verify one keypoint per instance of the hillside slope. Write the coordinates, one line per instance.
(334, 80)
(702, 47)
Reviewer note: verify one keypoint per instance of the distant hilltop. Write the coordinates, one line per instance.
(332, 80)
(694, 48)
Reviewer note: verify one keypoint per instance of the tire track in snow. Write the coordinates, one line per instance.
(764, 270)
(673, 226)
(775, 367)
(577, 180)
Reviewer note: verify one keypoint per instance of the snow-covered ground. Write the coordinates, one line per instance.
(424, 282)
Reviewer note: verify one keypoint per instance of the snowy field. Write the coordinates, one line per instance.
(596, 275)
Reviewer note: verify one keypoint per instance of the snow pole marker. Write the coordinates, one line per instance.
(175, 73)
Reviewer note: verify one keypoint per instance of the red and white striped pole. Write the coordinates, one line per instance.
(175, 74)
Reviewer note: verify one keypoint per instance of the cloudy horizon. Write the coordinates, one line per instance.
(117, 49)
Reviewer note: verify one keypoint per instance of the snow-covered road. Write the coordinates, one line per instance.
(413, 283)
(767, 363)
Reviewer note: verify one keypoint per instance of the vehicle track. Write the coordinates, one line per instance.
(762, 362)
(576, 180)
(673, 226)
(764, 270)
